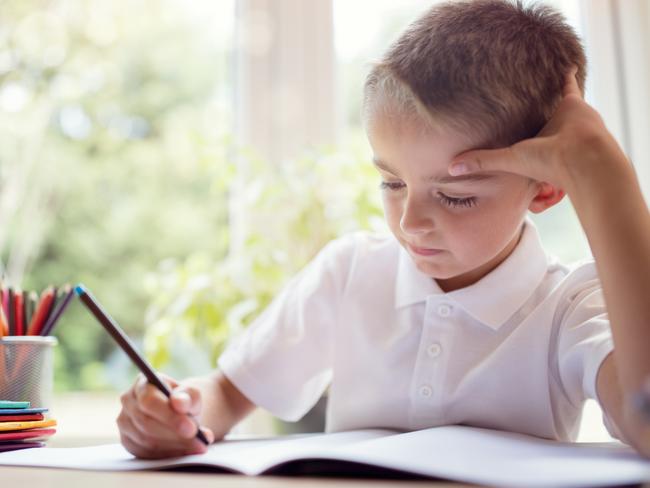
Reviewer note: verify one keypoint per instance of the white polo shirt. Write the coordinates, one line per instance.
(519, 350)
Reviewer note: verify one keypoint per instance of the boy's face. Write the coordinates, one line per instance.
(455, 229)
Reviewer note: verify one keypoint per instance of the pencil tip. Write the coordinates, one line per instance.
(79, 289)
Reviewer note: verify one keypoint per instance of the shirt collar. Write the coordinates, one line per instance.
(495, 297)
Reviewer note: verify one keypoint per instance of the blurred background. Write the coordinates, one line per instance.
(184, 158)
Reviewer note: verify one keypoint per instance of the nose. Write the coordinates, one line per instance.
(416, 216)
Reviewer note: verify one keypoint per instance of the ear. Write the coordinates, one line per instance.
(547, 195)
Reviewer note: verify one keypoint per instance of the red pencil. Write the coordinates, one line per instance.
(42, 311)
(19, 313)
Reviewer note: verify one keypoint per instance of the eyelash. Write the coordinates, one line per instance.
(446, 200)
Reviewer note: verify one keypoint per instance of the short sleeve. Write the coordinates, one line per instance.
(585, 340)
(282, 361)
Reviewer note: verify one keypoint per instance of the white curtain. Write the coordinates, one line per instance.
(285, 100)
(618, 47)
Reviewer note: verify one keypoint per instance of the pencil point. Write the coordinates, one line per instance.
(79, 289)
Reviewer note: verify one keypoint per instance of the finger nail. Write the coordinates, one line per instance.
(458, 169)
(184, 398)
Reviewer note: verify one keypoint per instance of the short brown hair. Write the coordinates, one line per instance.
(493, 68)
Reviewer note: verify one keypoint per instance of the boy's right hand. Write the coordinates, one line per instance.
(154, 426)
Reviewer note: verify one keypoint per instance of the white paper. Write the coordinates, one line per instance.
(454, 452)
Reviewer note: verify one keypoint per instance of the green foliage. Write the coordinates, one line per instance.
(290, 212)
(116, 115)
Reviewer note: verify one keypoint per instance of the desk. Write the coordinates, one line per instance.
(56, 478)
(99, 412)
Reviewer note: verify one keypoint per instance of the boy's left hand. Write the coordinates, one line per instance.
(573, 144)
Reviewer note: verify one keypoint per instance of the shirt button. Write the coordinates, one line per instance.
(434, 350)
(425, 391)
(444, 310)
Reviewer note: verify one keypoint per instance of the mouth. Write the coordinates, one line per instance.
(423, 251)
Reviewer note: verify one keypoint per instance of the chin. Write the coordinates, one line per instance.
(436, 271)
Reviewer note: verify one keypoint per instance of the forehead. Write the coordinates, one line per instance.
(405, 147)
(391, 136)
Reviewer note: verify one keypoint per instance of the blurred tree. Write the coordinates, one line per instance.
(292, 211)
(114, 150)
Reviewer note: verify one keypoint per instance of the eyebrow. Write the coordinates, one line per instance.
(442, 179)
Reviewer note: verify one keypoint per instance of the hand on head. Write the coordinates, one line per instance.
(574, 135)
(154, 426)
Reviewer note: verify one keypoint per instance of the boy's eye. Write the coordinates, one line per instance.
(457, 202)
(451, 202)
(391, 185)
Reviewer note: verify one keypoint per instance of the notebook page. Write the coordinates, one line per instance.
(248, 456)
(502, 459)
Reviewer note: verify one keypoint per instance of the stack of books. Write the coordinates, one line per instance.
(22, 426)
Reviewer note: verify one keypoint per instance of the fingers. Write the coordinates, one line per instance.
(540, 158)
(151, 402)
(145, 446)
(186, 400)
(530, 158)
(483, 160)
(151, 425)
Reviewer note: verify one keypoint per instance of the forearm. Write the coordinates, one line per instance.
(615, 217)
(223, 405)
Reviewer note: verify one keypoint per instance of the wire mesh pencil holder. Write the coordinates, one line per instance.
(26, 369)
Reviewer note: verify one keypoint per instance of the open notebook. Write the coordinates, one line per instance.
(452, 452)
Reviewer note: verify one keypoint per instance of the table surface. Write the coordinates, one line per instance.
(99, 412)
(55, 478)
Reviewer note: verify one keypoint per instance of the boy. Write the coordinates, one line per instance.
(459, 316)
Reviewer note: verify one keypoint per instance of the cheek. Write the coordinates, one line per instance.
(485, 231)
(392, 210)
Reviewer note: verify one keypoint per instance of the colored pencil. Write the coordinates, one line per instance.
(11, 311)
(31, 301)
(4, 323)
(19, 313)
(55, 300)
(25, 310)
(127, 346)
(4, 304)
(67, 294)
(42, 312)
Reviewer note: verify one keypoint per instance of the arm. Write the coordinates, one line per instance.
(611, 209)
(153, 426)
(576, 153)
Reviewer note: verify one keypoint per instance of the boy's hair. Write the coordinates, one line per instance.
(493, 69)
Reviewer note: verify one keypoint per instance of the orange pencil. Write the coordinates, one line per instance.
(4, 328)
(42, 311)
(4, 324)
(2, 297)
(19, 313)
